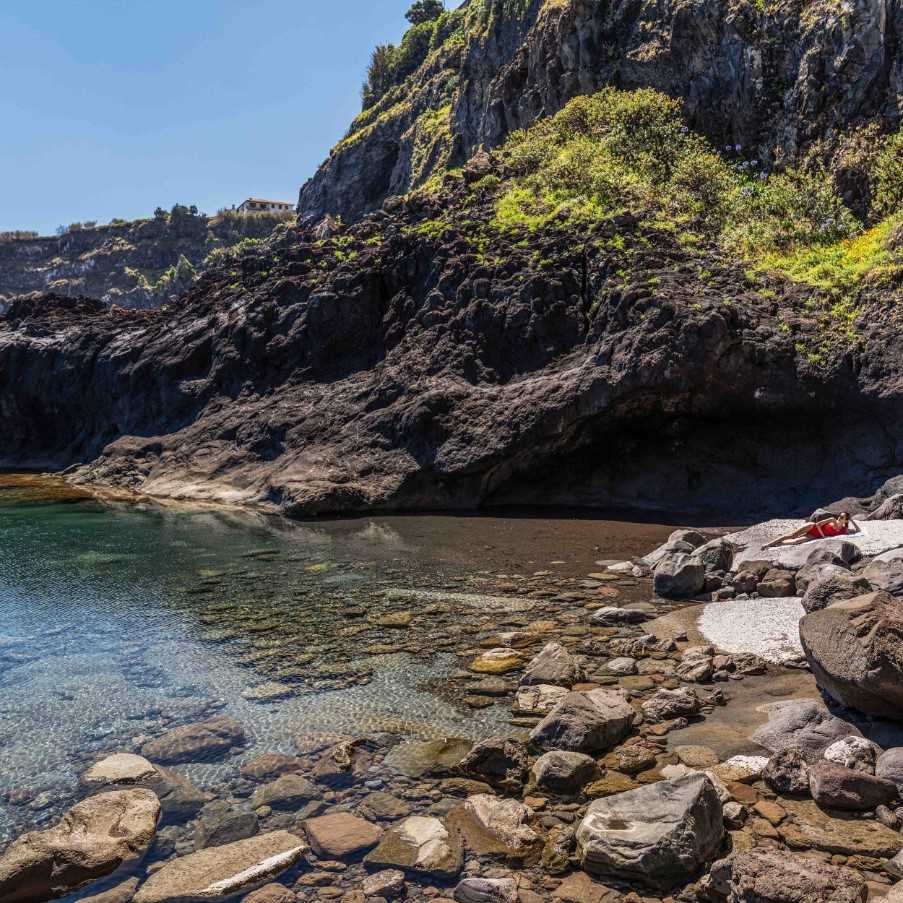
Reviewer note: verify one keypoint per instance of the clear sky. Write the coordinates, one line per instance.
(114, 107)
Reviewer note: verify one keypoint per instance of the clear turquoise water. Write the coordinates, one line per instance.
(118, 622)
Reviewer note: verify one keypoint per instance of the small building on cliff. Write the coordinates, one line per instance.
(260, 205)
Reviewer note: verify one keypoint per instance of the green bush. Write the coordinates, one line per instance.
(788, 210)
(887, 178)
(391, 65)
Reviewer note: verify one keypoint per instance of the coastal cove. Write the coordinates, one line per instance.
(119, 621)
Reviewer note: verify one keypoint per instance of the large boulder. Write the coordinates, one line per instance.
(776, 876)
(828, 590)
(855, 651)
(502, 762)
(221, 873)
(678, 575)
(836, 787)
(716, 555)
(553, 665)
(804, 724)
(98, 837)
(585, 722)
(820, 570)
(201, 742)
(419, 844)
(659, 834)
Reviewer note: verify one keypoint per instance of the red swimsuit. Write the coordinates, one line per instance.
(826, 530)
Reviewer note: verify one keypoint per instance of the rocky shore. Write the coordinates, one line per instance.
(592, 792)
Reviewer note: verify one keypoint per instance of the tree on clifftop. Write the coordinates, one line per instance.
(425, 11)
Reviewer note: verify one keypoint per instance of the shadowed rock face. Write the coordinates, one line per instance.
(772, 82)
(418, 375)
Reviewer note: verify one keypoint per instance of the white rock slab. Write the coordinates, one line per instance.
(768, 628)
(876, 538)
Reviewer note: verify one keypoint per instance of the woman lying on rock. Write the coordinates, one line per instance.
(841, 525)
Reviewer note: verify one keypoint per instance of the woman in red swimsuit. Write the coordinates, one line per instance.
(841, 525)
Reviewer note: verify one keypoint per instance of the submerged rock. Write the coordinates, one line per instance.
(222, 872)
(120, 768)
(206, 740)
(660, 834)
(339, 835)
(96, 838)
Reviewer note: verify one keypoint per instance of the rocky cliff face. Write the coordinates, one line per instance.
(133, 264)
(389, 367)
(772, 77)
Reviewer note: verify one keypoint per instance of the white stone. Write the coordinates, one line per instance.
(768, 628)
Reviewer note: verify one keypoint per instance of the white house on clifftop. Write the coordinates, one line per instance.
(260, 205)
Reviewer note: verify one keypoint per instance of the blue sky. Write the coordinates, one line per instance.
(113, 107)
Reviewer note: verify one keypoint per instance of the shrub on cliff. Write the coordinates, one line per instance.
(888, 177)
(611, 151)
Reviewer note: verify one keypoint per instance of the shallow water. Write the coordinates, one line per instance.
(119, 621)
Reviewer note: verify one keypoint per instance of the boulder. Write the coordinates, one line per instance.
(502, 762)
(890, 509)
(777, 584)
(419, 844)
(890, 766)
(824, 592)
(664, 705)
(585, 722)
(123, 892)
(222, 872)
(487, 890)
(787, 771)
(822, 570)
(715, 555)
(659, 834)
(494, 826)
(802, 723)
(99, 837)
(538, 700)
(678, 575)
(563, 772)
(835, 787)
(855, 651)
(854, 752)
(553, 665)
(772, 876)
(201, 742)
(340, 835)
